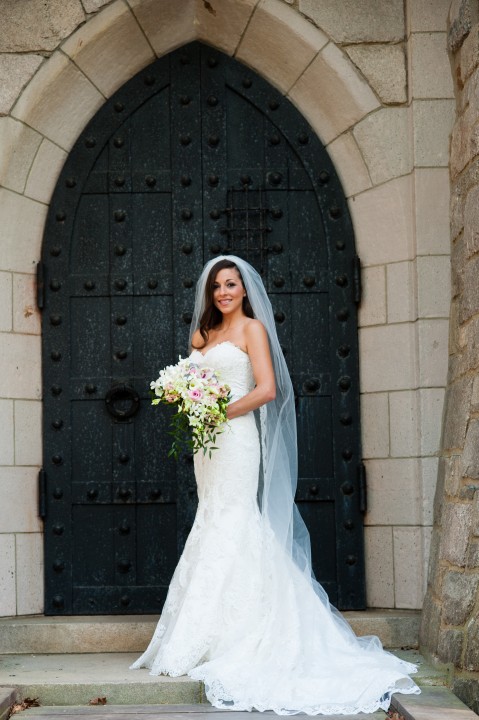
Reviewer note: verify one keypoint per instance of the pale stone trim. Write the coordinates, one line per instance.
(332, 95)
(59, 101)
(279, 44)
(110, 48)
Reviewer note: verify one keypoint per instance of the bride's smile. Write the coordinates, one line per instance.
(228, 291)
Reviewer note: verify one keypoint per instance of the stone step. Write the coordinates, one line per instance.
(131, 633)
(434, 703)
(71, 679)
(158, 712)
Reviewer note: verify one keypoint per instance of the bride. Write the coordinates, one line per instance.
(244, 613)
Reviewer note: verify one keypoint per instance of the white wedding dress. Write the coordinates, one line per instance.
(240, 615)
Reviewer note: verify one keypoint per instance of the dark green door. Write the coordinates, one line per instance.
(195, 156)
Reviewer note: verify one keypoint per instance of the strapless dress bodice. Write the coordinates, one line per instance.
(232, 364)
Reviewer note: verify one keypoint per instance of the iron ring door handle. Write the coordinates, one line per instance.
(127, 396)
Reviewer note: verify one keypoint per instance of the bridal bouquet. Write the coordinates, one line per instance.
(201, 400)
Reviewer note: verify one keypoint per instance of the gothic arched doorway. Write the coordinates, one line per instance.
(195, 156)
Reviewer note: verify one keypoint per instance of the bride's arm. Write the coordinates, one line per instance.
(257, 347)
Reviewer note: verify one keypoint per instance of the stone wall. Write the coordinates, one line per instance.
(373, 80)
(450, 625)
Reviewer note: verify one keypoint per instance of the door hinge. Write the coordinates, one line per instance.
(40, 285)
(42, 493)
(363, 489)
(357, 289)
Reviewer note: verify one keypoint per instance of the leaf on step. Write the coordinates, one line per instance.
(393, 715)
(98, 701)
(24, 705)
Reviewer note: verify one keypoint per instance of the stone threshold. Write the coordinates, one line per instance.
(132, 633)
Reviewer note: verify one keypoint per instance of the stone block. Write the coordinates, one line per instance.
(384, 66)
(435, 571)
(431, 75)
(456, 524)
(401, 292)
(37, 25)
(431, 406)
(372, 310)
(459, 596)
(6, 436)
(462, 16)
(432, 211)
(349, 164)
(166, 24)
(375, 425)
(467, 689)
(462, 149)
(471, 222)
(450, 644)
(91, 6)
(379, 567)
(383, 138)
(279, 43)
(469, 340)
(6, 299)
(382, 218)
(7, 575)
(18, 146)
(472, 559)
(475, 395)
(29, 548)
(332, 94)
(388, 355)
(469, 305)
(430, 624)
(44, 172)
(434, 286)
(59, 101)
(408, 567)
(433, 121)
(21, 371)
(452, 475)
(469, 59)
(19, 506)
(404, 423)
(433, 338)
(445, 466)
(393, 492)
(426, 536)
(428, 475)
(22, 231)
(26, 316)
(428, 15)
(470, 454)
(28, 432)
(15, 73)
(475, 515)
(456, 210)
(356, 21)
(110, 48)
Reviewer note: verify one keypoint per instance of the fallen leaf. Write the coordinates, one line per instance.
(98, 701)
(24, 705)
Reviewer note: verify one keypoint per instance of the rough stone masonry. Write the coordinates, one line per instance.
(450, 624)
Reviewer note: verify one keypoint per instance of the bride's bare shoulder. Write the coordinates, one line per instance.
(255, 332)
(197, 340)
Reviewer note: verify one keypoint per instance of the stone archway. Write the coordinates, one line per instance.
(318, 77)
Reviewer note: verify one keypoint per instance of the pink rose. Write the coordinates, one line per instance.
(195, 394)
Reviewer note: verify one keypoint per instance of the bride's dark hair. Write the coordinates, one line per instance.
(212, 317)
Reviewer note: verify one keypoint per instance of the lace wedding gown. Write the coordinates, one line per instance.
(240, 615)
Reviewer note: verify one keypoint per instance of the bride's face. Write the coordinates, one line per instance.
(228, 291)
